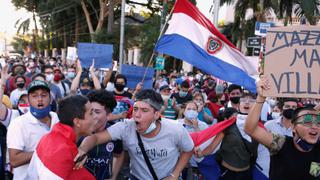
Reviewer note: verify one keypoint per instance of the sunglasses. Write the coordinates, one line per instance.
(309, 119)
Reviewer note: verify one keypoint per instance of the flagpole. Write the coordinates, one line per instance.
(123, 3)
(161, 33)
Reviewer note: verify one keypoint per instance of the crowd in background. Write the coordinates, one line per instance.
(195, 100)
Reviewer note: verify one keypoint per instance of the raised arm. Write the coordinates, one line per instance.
(96, 82)
(76, 80)
(4, 77)
(107, 76)
(251, 125)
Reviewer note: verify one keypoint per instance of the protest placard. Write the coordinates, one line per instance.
(101, 53)
(134, 75)
(71, 54)
(292, 63)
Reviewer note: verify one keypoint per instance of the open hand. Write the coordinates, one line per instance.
(92, 67)
(79, 67)
(262, 85)
(4, 74)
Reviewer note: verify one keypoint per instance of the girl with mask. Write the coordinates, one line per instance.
(204, 113)
(192, 124)
(190, 120)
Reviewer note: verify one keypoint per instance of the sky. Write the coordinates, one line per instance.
(9, 15)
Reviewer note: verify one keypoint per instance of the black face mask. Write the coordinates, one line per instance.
(84, 91)
(20, 85)
(235, 100)
(119, 87)
(288, 113)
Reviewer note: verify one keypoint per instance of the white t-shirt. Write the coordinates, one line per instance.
(62, 90)
(24, 133)
(163, 150)
(110, 86)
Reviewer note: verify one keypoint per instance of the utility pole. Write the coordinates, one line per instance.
(123, 3)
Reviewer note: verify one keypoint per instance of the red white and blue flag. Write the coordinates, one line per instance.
(191, 37)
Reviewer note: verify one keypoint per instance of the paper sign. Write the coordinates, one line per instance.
(292, 63)
(134, 75)
(159, 63)
(101, 53)
(261, 28)
(72, 54)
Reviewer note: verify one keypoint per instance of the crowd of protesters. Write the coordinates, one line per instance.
(61, 121)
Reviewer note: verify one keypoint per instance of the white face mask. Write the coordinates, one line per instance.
(49, 77)
(152, 127)
(190, 114)
(275, 115)
(272, 102)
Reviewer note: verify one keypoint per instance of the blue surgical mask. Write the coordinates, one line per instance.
(152, 127)
(304, 144)
(183, 94)
(71, 75)
(40, 113)
(190, 114)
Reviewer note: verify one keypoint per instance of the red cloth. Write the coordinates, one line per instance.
(214, 108)
(202, 136)
(57, 150)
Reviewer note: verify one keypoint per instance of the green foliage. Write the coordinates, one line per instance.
(148, 37)
(19, 44)
(308, 9)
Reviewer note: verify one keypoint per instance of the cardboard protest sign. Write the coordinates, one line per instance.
(292, 63)
(134, 75)
(101, 53)
(72, 54)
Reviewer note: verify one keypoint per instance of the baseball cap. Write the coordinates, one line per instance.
(164, 87)
(34, 85)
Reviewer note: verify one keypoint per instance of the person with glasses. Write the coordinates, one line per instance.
(296, 157)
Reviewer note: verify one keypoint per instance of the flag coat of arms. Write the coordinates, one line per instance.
(191, 37)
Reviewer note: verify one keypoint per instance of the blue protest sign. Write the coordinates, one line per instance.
(101, 53)
(134, 75)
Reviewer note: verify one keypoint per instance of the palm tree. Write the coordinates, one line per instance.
(302, 9)
(242, 28)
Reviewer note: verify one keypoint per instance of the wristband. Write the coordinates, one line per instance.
(259, 102)
(172, 175)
